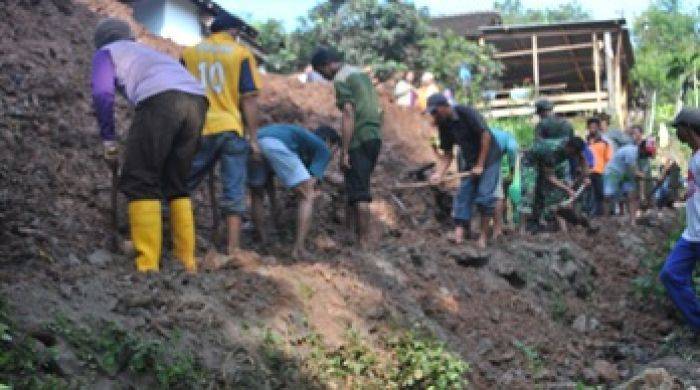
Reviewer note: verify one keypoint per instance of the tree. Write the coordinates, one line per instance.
(444, 54)
(275, 42)
(513, 12)
(382, 34)
(666, 48)
(388, 35)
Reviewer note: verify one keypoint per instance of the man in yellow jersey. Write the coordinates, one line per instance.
(227, 71)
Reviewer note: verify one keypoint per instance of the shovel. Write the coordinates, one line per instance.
(115, 211)
(421, 184)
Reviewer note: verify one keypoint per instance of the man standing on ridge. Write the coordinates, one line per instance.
(162, 140)
(227, 71)
(360, 131)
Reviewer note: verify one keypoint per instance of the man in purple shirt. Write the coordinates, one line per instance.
(163, 138)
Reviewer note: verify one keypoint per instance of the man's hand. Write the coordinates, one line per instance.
(344, 161)
(110, 151)
(255, 151)
(477, 170)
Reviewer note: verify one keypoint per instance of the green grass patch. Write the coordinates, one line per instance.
(110, 349)
(406, 361)
(23, 363)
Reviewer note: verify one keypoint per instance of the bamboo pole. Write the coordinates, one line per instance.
(619, 102)
(596, 68)
(607, 41)
(535, 65)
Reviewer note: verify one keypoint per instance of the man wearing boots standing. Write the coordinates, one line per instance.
(170, 108)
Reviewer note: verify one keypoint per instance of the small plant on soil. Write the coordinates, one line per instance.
(558, 307)
(407, 362)
(534, 361)
(648, 285)
(112, 350)
(23, 364)
(424, 363)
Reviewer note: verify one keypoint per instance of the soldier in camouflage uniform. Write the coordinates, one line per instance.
(551, 126)
(548, 161)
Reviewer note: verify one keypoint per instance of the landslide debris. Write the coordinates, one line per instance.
(551, 310)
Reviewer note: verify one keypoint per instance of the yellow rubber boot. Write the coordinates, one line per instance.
(182, 226)
(146, 233)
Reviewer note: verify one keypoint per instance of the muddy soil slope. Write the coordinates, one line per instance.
(554, 311)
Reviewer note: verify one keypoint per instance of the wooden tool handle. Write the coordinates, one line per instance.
(426, 183)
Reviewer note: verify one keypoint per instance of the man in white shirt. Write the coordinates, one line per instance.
(622, 173)
(677, 273)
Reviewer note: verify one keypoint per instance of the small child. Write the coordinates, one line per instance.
(677, 273)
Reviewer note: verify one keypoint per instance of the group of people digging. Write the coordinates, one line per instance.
(560, 178)
(191, 115)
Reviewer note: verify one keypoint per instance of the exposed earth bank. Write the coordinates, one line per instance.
(552, 310)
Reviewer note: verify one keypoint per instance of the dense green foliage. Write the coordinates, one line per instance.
(513, 12)
(443, 54)
(668, 48)
(388, 36)
(409, 361)
(23, 363)
(112, 350)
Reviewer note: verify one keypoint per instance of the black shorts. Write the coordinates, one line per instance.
(363, 159)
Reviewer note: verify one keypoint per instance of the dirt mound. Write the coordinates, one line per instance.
(552, 310)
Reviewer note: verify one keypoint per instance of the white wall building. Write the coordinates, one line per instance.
(179, 20)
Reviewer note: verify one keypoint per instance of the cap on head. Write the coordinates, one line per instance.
(226, 21)
(323, 56)
(110, 30)
(577, 144)
(434, 101)
(592, 120)
(328, 134)
(687, 117)
(427, 77)
(544, 105)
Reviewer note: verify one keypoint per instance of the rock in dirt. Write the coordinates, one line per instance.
(584, 324)
(214, 260)
(100, 258)
(73, 260)
(653, 378)
(324, 243)
(66, 360)
(606, 370)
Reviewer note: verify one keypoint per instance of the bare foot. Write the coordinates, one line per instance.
(481, 242)
(497, 234)
(455, 239)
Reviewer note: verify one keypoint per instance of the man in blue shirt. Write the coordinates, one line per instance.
(299, 159)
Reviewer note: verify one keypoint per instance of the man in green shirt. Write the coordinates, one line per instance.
(551, 126)
(360, 131)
